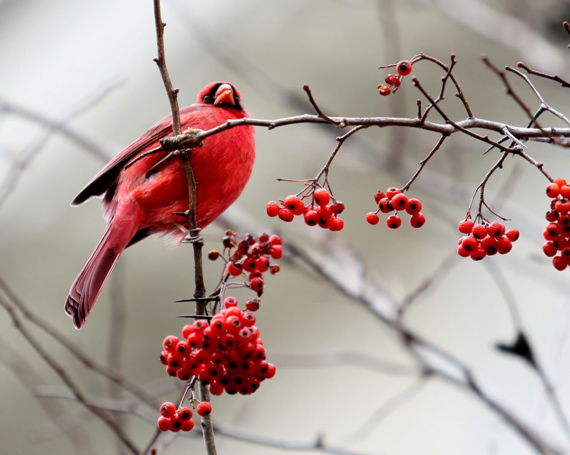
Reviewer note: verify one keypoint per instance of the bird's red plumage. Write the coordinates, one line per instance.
(138, 203)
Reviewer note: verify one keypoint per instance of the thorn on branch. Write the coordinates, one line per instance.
(520, 347)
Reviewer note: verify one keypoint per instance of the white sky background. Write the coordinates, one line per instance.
(57, 54)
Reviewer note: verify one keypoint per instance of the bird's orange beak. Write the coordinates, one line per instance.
(224, 95)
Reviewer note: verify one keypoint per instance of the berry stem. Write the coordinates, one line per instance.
(340, 140)
(423, 162)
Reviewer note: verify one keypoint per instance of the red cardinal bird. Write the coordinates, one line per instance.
(140, 200)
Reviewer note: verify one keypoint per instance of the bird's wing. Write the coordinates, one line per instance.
(109, 174)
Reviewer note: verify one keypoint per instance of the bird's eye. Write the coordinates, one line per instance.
(207, 99)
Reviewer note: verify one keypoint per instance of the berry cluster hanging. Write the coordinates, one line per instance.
(224, 350)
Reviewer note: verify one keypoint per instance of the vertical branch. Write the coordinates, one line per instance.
(161, 62)
(193, 230)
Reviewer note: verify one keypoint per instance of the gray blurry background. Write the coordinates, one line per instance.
(88, 65)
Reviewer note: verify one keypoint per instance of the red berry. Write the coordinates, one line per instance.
(337, 224)
(372, 218)
(465, 226)
(262, 264)
(204, 408)
(393, 80)
(230, 302)
(551, 231)
(248, 265)
(270, 371)
(565, 191)
(216, 388)
(385, 205)
(394, 221)
(325, 216)
(234, 269)
(175, 423)
(562, 206)
(170, 342)
(417, 220)
(560, 182)
(276, 252)
(489, 244)
(183, 347)
(384, 89)
(513, 235)
(399, 201)
(378, 196)
(496, 229)
(163, 423)
(321, 196)
(252, 304)
(337, 207)
(187, 330)
(470, 243)
(168, 409)
(213, 255)
(479, 231)
(549, 249)
(285, 215)
(552, 190)
(256, 284)
(414, 206)
(504, 245)
(187, 425)
(552, 215)
(404, 68)
(294, 204)
(248, 319)
(461, 251)
(275, 240)
(559, 262)
(392, 191)
(478, 253)
(185, 413)
(272, 208)
(311, 217)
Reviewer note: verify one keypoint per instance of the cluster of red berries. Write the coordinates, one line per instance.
(227, 353)
(557, 232)
(393, 81)
(173, 419)
(322, 211)
(252, 256)
(396, 201)
(484, 239)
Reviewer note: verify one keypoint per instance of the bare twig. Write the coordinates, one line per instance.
(86, 360)
(161, 62)
(105, 416)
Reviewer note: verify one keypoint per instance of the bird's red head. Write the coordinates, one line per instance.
(222, 94)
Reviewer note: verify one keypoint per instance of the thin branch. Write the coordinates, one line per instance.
(72, 347)
(105, 416)
(553, 77)
(423, 162)
(161, 62)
